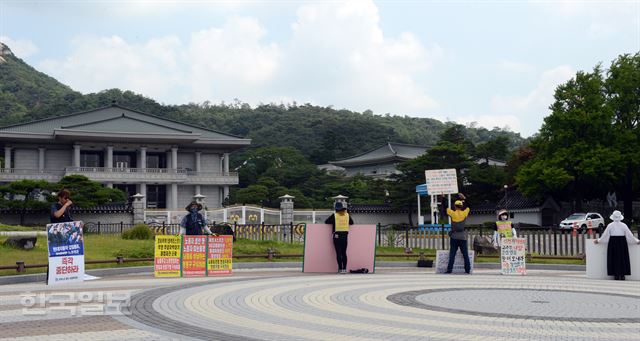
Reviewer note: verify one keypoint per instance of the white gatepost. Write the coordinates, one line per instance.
(224, 215)
(244, 215)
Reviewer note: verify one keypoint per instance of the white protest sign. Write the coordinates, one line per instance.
(442, 261)
(65, 242)
(441, 181)
(513, 255)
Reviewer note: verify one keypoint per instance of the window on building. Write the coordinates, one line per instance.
(124, 160)
(156, 160)
(91, 159)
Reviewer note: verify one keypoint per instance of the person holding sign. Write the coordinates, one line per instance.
(504, 228)
(340, 221)
(458, 235)
(617, 235)
(61, 211)
(194, 224)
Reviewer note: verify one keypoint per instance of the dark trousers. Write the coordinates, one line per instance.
(340, 244)
(454, 245)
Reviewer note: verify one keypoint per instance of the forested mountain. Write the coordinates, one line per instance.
(320, 133)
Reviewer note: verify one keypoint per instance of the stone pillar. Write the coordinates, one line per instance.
(340, 198)
(109, 163)
(286, 208)
(174, 158)
(41, 151)
(198, 190)
(198, 165)
(174, 196)
(138, 209)
(143, 191)
(225, 192)
(226, 163)
(76, 155)
(109, 184)
(143, 160)
(7, 157)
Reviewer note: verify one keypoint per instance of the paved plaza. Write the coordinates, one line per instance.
(284, 304)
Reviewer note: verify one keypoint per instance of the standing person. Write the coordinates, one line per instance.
(61, 210)
(194, 223)
(458, 235)
(617, 235)
(503, 228)
(340, 221)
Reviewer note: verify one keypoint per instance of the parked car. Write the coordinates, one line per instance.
(583, 221)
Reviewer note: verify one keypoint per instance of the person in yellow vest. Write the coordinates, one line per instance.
(457, 235)
(340, 221)
(504, 228)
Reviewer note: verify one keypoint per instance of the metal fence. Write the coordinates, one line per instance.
(540, 241)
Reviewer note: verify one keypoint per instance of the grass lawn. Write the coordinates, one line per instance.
(105, 247)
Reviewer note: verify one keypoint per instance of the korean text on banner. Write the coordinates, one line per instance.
(441, 181)
(513, 255)
(194, 256)
(65, 242)
(167, 256)
(220, 255)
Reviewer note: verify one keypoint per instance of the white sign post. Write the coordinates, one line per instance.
(441, 181)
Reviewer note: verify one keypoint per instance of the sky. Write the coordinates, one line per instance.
(479, 63)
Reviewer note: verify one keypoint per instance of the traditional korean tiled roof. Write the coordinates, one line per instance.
(386, 153)
(374, 208)
(106, 208)
(115, 120)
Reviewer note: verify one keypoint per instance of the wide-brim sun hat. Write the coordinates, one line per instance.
(188, 208)
(616, 216)
(503, 211)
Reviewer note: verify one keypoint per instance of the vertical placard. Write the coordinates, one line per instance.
(194, 254)
(65, 242)
(220, 255)
(168, 251)
(513, 255)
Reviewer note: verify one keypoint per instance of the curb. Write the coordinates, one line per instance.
(17, 279)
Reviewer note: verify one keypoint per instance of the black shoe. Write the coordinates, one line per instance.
(616, 278)
(447, 272)
(622, 278)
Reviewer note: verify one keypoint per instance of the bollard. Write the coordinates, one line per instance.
(120, 260)
(270, 254)
(574, 232)
(20, 267)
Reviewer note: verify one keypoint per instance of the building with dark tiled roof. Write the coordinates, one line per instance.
(167, 161)
(539, 212)
(380, 162)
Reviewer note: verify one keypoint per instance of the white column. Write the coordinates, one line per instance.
(41, 151)
(198, 157)
(226, 163)
(143, 191)
(76, 155)
(143, 161)
(198, 190)
(109, 163)
(174, 196)
(174, 158)
(7, 157)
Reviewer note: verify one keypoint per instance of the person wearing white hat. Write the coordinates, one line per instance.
(617, 235)
(503, 228)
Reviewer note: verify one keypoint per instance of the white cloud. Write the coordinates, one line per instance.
(511, 122)
(342, 54)
(22, 48)
(96, 64)
(230, 62)
(337, 55)
(534, 105)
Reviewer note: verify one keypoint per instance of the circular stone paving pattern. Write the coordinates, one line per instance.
(393, 306)
(553, 305)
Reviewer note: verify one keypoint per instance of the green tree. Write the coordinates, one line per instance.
(622, 88)
(25, 195)
(253, 194)
(574, 158)
(87, 193)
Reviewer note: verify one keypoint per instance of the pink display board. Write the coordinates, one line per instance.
(320, 255)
